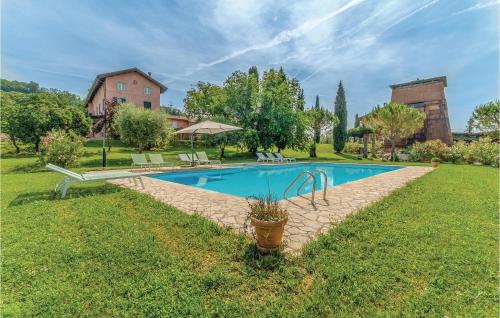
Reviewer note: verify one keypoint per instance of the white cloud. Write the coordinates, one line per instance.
(282, 37)
(478, 6)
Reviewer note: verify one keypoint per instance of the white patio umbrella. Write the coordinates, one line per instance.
(206, 127)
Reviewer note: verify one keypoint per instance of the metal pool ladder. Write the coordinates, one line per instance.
(310, 176)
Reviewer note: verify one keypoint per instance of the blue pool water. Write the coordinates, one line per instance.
(259, 180)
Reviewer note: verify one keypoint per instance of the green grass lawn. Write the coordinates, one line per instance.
(429, 249)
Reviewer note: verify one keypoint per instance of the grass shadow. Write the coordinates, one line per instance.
(34, 167)
(97, 163)
(256, 261)
(73, 193)
(348, 156)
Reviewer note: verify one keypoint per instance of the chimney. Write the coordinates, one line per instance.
(149, 73)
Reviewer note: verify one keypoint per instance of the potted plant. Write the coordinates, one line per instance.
(268, 218)
(435, 162)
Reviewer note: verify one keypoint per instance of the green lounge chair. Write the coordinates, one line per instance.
(186, 159)
(157, 160)
(71, 177)
(280, 156)
(139, 160)
(203, 158)
(262, 158)
(194, 159)
(272, 157)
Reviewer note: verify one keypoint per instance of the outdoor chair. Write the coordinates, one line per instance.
(203, 158)
(273, 158)
(262, 158)
(194, 159)
(186, 159)
(139, 160)
(280, 156)
(71, 177)
(157, 160)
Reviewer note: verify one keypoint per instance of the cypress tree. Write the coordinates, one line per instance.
(340, 131)
(356, 121)
(317, 131)
(300, 100)
(253, 71)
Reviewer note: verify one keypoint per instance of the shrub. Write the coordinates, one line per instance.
(485, 152)
(378, 146)
(459, 152)
(424, 151)
(143, 129)
(61, 148)
(435, 159)
(352, 147)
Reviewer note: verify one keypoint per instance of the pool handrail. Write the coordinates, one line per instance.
(310, 176)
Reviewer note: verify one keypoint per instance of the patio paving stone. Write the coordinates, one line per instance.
(305, 222)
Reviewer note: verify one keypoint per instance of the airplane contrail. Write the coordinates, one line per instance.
(282, 37)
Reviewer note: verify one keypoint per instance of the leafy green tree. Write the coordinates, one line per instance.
(254, 72)
(143, 129)
(172, 110)
(64, 97)
(17, 86)
(300, 100)
(485, 118)
(340, 130)
(280, 122)
(395, 121)
(241, 90)
(205, 100)
(209, 101)
(318, 119)
(28, 117)
(8, 119)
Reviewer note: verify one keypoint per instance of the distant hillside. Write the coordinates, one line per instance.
(17, 86)
(33, 88)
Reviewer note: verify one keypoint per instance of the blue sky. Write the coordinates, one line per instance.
(366, 44)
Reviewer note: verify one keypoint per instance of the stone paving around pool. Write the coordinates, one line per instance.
(305, 221)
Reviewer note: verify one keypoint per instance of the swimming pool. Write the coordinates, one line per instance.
(258, 180)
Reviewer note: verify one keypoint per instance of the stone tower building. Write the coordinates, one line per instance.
(428, 96)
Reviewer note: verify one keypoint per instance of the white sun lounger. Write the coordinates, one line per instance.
(273, 158)
(280, 156)
(203, 158)
(262, 158)
(71, 177)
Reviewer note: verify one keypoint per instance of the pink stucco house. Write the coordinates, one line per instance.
(130, 85)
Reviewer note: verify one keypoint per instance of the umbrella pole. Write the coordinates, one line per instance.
(192, 151)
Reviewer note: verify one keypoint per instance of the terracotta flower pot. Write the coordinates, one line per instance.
(269, 234)
(434, 164)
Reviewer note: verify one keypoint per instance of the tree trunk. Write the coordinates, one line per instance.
(37, 145)
(374, 146)
(312, 150)
(317, 135)
(365, 146)
(393, 150)
(14, 143)
(222, 148)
